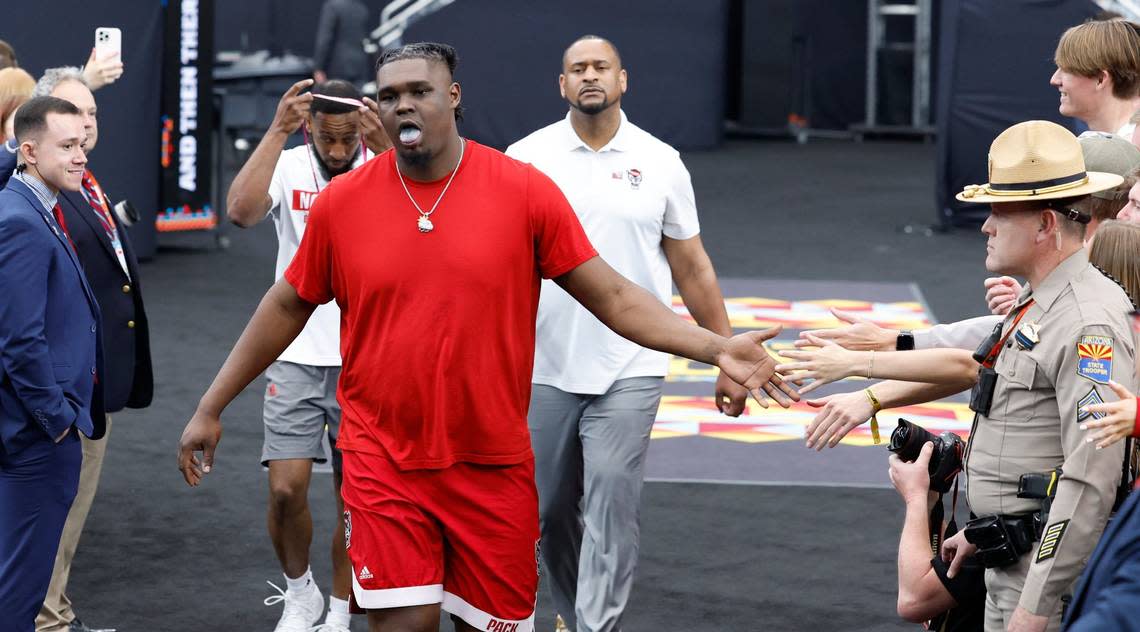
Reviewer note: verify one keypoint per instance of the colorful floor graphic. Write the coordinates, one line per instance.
(689, 428)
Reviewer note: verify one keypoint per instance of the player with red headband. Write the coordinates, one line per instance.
(341, 131)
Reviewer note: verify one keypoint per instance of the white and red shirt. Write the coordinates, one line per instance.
(437, 329)
(628, 195)
(296, 182)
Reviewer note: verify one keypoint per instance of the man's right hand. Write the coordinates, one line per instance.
(1001, 294)
(293, 108)
(202, 434)
(859, 334)
(955, 551)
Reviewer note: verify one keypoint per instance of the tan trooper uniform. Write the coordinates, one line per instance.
(1080, 320)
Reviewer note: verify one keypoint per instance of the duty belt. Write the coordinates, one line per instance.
(1003, 539)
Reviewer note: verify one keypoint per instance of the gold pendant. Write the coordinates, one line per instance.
(425, 224)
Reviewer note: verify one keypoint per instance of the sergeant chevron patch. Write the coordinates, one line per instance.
(1093, 397)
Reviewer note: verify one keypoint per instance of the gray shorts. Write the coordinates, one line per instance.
(300, 404)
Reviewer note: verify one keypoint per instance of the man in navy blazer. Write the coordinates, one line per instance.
(49, 356)
(1108, 593)
(109, 263)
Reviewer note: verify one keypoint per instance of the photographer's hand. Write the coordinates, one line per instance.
(955, 551)
(912, 480)
(859, 334)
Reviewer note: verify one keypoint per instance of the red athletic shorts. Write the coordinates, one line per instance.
(465, 537)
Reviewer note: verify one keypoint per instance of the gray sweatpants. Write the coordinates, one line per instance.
(589, 463)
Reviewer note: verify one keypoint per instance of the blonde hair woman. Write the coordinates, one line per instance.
(16, 87)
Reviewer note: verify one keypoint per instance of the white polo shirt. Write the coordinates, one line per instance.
(628, 195)
(296, 181)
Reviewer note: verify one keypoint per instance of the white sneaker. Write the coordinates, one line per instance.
(303, 608)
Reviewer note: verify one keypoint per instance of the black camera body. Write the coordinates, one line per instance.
(946, 460)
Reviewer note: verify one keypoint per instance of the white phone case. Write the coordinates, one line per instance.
(108, 42)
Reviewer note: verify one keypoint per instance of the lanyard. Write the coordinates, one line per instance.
(991, 357)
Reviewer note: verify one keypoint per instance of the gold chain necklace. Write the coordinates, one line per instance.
(424, 221)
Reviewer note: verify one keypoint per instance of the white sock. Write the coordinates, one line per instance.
(338, 612)
(301, 583)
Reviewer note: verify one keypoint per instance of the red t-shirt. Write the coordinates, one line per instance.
(437, 329)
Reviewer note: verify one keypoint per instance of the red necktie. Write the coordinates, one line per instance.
(91, 192)
(58, 213)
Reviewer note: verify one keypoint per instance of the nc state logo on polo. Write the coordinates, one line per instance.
(1094, 358)
(634, 176)
(302, 200)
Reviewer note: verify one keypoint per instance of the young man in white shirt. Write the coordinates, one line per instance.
(300, 400)
(1098, 75)
(595, 394)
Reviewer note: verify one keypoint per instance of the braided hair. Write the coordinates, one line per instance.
(431, 51)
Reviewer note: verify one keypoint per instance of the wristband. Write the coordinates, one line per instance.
(875, 408)
(1136, 423)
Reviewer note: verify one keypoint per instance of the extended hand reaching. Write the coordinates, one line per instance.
(840, 414)
(1118, 421)
(859, 334)
(827, 363)
(746, 362)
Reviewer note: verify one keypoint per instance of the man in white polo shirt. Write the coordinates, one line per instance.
(300, 399)
(595, 394)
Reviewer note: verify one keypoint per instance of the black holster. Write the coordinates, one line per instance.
(1002, 540)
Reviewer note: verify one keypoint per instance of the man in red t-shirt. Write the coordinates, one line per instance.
(434, 253)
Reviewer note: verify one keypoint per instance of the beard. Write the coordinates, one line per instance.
(415, 158)
(592, 108)
(328, 173)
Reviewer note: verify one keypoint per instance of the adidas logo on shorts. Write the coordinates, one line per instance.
(365, 573)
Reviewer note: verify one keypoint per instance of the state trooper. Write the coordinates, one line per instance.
(1055, 353)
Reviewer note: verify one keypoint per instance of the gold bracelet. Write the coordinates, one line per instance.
(871, 369)
(875, 408)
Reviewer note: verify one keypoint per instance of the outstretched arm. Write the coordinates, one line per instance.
(830, 362)
(279, 318)
(842, 412)
(635, 314)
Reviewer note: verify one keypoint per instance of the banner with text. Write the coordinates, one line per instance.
(187, 115)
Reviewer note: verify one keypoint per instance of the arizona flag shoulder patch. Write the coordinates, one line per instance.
(1094, 358)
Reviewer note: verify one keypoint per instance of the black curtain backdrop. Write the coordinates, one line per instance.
(996, 60)
(280, 26)
(510, 54)
(674, 51)
(806, 57)
(62, 33)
